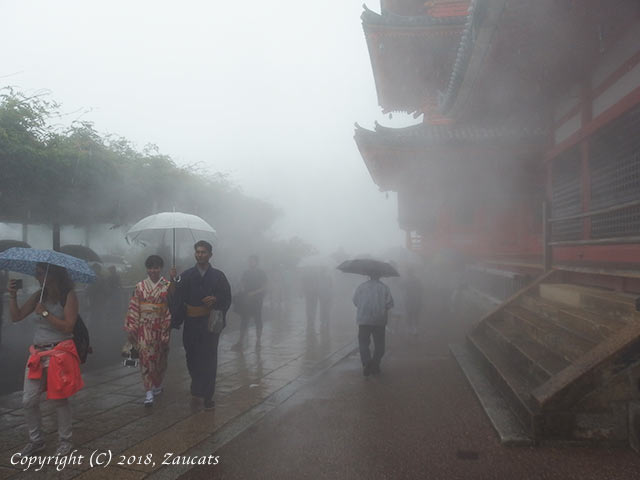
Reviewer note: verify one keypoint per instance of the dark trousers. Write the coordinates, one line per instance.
(364, 334)
(256, 314)
(201, 347)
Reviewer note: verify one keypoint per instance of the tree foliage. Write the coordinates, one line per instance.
(75, 176)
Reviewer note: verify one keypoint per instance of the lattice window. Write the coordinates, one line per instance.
(615, 162)
(615, 176)
(567, 195)
(623, 223)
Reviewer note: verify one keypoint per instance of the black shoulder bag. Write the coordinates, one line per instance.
(80, 335)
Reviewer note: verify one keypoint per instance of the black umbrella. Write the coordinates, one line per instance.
(6, 244)
(368, 266)
(82, 252)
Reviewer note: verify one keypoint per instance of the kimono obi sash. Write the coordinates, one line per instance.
(147, 307)
(197, 311)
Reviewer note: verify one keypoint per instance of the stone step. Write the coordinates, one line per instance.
(563, 342)
(504, 421)
(514, 387)
(596, 369)
(581, 322)
(532, 358)
(562, 355)
(606, 303)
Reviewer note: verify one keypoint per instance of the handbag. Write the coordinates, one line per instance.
(130, 354)
(129, 350)
(216, 321)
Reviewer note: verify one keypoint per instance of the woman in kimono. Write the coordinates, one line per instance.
(148, 323)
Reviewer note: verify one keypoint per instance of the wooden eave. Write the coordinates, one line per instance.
(516, 57)
(405, 52)
(390, 153)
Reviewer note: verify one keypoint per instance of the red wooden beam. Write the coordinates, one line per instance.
(448, 9)
(625, 104)
(622, 70)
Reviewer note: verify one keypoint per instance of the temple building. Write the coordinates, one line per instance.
(526, 168)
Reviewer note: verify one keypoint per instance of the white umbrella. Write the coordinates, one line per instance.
(153, 229)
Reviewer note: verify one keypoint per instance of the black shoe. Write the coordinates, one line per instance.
(209, 404)
(375, 369)
(366, 370)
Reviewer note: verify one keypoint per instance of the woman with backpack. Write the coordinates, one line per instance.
(148, 324)
(53, 353)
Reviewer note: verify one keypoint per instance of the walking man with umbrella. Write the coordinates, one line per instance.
(373, 301)
(203, 296)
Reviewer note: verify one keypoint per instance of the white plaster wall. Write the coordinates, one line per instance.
(617, 91)
(609, 62)
(568, 128)
(568, 102)
(620, 53)
(628, 46)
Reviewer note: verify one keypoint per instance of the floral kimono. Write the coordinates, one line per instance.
(149, 320)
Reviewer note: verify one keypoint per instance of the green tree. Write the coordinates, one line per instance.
(75, 176)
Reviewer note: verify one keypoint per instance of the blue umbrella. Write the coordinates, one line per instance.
(24, 260)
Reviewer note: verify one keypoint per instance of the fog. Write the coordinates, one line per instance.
(266, 92)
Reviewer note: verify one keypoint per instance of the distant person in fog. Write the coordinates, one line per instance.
(113, 280)
(317, 288)
(373, 301)
(325, 297)
(113, 287)
(96, 293)
(254, 288)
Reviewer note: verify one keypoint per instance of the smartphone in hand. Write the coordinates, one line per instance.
(17, 283)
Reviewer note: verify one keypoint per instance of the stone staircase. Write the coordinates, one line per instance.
(566, 359)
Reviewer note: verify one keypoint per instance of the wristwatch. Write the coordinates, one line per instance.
(45, 314)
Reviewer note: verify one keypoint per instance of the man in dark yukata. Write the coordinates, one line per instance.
(199, 290)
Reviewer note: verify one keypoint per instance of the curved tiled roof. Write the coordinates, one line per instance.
(411, 57)
(446, 98)
(390, 19)
(442, 134)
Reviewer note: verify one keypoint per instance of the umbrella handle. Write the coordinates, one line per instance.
(44, 283)
(174, 246)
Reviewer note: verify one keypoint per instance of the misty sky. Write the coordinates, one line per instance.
(265, 91)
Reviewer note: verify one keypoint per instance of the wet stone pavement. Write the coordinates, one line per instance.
(300, 408)
(110, 420)
(419, 420)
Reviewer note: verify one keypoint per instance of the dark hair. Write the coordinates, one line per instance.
(154, 261)
(204, 244)
(254, 257)
(59, 276)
